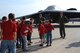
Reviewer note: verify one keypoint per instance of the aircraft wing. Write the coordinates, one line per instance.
(50, 13)
(55, 15)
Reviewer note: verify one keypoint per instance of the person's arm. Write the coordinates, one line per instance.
(0, 33)
(52, 26)
(15, 36)
(15, 32)
(66, 20)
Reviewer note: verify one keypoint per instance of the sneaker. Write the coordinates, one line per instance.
(50, 45)
(47, 45)
(29, 44)
(41, 45)
(63, 37)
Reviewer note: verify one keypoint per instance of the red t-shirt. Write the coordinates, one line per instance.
(8, 30)
(49, 27)
(45, 28)
(18, 30)
(30, 30)
(41, 29)
(23, 29)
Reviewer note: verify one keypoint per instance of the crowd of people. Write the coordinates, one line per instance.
(17, 34)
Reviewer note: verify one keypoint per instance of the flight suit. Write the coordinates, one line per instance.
(62, 28)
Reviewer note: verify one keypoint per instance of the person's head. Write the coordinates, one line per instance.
(23, 18)
(46, 21)
(50, 20)
(4, 18)
(27, 23)
(41, 22)
(31, 19)
(11, 16)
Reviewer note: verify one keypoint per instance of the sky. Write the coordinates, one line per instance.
(26, 7)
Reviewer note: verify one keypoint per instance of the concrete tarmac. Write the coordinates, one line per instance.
(71, 44)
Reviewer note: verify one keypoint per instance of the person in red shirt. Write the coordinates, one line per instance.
(4, 18)
(23, 32)
(49, 29)
(31, 24)
(41, 29)
(29, 33)
(8, 35)
(19, 38)
(45, 36)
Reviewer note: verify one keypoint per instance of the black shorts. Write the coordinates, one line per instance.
(41, 36)
(29, 37)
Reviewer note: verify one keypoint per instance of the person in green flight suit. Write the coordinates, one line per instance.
(62, 21)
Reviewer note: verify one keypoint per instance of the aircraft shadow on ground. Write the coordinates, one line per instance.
(74, 44)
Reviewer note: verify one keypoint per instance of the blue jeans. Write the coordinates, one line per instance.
(49, 38)
(5, 44)
(19, 41)
(24, 43)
